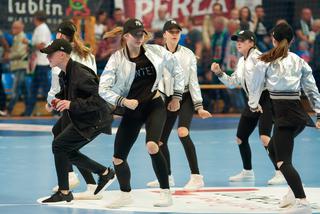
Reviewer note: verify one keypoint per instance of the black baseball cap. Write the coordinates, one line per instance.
(57, 45)
(244, 35)
(133, 26)
(282, 31)
(67, 28)
(170, 25)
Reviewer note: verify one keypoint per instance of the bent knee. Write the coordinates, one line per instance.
(265, 140)
(152, 147)
(117, 161)
(238, 141)
(279, 164)
(183, 132)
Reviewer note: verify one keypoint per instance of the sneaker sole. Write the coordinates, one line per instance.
(107, 185)
(58, 203)
(242, 180)
(118, 207)
(95, 197)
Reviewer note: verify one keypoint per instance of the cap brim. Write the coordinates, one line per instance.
(137, 30)
(47, 50)
(174, 26)
(234, 37)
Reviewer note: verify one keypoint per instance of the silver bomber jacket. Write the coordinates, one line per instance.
(243, 72)
(118, 75)
(285, 77)
(188, 62)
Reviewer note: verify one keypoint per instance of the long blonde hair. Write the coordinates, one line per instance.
(80, 48)
(118, 31)
(281, 51)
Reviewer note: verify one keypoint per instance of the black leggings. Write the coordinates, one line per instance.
(58, 128)
(185, 117)
(280, 149)
(247, 124)
(65, 147)
(153, 115)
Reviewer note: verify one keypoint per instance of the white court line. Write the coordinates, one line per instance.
(37, 128)
(14, 205)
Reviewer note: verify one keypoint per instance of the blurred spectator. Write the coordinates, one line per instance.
(218, 45)
(117, 20)
(18, 63)
(40, 38)
(245, 17)
(315, 29)
(234, 14)
(159, 21)
(264, 42)
(193, 39)
(303, 25)
(229, 65)
(107, 46)
(303, 51)
(101, 24)
(157, 38)
(208, 27)
(316, 60)
(4, 51)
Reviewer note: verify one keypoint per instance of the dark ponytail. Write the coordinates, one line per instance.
(281, 51)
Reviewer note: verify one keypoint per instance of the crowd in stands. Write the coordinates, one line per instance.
(210, 42)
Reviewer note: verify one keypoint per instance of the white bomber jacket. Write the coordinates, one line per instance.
(241, 76)
(188, 62)
(119, 73)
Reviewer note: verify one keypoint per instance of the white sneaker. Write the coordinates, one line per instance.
(301, 206)
(288, 199)
(244, 175)
(73, 182)
(196, 182)
(165, 199)
(277, 179)
(88, 194)
(124, 200)
(155, 183)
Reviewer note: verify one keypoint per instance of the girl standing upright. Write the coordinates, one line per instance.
(191, 102)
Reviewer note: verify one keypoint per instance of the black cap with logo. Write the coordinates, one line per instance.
(170, 25)
(282, 31)
(133, 26)
(244, 35)
(57, 45)
(67, 28)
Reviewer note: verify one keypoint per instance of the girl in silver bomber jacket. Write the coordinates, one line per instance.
(249, 120)
(131, 80)
(284, 74)
(191, 102)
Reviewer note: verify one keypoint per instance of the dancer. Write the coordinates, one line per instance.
(191, 102)
(246, 45)
(131, 80)
(80, 53)
(84, 117)
(284, 74)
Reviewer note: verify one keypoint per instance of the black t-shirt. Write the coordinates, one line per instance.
(144, 79)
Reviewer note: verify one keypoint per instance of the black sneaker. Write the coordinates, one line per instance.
(58, 197)
(104, 180)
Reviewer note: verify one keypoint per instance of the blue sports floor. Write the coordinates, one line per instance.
(27, 169)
